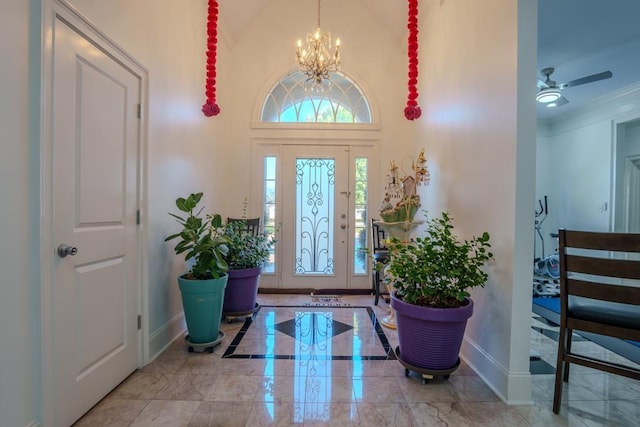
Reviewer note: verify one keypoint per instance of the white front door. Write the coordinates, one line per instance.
(317, 218)
(95, 140)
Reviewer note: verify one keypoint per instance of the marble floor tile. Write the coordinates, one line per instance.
(331, 414)
(276, 414)
(490, 414)
(600, 413)
(262, 376)
(220, 414)
(378, 390)
(166, 413)
(187, 387)
(141, 385)
(470, 389)
(231, 387)
(113, 412)
(200, 363)
(440, 414)
(386, 414)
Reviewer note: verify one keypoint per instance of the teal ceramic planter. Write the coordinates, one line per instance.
(202, 303)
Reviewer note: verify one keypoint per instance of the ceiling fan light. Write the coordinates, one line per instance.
(549, 95)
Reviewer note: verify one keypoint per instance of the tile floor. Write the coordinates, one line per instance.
(315, 379)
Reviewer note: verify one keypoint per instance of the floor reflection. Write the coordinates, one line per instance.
(316, 338)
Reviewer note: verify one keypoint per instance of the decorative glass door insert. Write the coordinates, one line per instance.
(315, 212)
(315, 221)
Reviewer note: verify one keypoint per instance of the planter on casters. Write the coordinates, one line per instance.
(202, 303)
(430, 338)
(241, 293)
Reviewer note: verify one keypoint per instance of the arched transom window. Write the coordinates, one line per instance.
(294, 100)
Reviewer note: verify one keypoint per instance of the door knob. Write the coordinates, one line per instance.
(343, 226)
(64, 250)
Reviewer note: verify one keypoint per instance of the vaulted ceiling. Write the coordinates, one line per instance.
(236, 15)
(576, 37)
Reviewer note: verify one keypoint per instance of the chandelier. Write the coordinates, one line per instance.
(319, 58)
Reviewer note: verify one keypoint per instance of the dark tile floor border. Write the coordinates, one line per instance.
(389, 353)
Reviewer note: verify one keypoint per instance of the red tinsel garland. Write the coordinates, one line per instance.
(412, 110)
(210, 108)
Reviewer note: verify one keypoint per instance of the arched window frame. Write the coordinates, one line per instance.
(269, 88)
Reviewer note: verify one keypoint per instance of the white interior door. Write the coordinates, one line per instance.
(94, 200)
(631, 209)
(315, 218)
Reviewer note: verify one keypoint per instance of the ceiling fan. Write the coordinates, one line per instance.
(549, 92)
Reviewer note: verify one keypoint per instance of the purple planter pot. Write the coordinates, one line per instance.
(242, 290)
(430, 338)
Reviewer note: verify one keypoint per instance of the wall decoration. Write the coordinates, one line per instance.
(210, 107)
(412, 111)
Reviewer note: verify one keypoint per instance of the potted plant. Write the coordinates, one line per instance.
(432, 277)
(204, 243)
(246, 255)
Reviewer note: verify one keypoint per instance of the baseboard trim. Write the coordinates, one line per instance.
(513, 388)
(165, 335)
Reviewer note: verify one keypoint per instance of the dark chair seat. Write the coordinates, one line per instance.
(604, 312)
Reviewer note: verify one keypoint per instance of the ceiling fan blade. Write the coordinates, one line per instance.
(541, 84)
(589, 79)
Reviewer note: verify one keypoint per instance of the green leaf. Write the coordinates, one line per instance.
(173, 236)
(180, 219)
(181, 203)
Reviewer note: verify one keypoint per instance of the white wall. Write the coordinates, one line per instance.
(580, 166)
(18, 358)
(478, 59)
(576, 162)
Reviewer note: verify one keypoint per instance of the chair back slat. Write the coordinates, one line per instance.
(610, 267)
(252, 225)
(604, 292)
(378, 237)
(619, 242)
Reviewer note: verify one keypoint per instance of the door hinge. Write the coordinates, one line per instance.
(139, 111)
(138, 217)
(139, 322)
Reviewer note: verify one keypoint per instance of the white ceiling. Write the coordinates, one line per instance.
(584, 37)
(236, 15)
(577, 37)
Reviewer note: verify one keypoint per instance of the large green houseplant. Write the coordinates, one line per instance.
(247, 254)
(432, 277)
(204, 243)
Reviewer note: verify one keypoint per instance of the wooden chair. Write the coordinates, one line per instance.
(595, 297)
(380, 254)
(252, 224)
